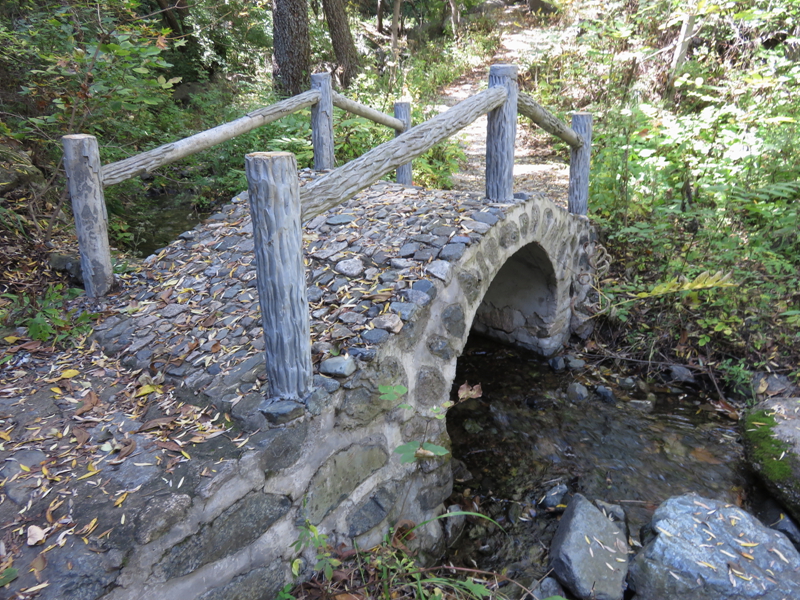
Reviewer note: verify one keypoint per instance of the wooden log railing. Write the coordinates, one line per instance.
(334, 188)
(168, 153)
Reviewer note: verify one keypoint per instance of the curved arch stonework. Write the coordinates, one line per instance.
(522, 275)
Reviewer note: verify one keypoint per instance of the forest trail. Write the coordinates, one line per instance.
(537, 168)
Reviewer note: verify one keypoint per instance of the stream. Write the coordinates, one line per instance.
(523, 437)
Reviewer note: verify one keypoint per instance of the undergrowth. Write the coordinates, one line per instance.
(692, 172)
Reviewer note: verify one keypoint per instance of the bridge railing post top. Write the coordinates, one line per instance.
(320, 76)
(267, 155)
(503, 70)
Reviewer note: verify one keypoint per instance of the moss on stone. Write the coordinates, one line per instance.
(768, 451)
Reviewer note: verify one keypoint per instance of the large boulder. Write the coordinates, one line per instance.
(589, 554)
(771, 433)
(707, 550)
(16, 170)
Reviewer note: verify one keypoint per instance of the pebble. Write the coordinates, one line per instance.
(577, 392)
(605, 394)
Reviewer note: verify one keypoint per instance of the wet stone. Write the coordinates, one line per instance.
(281, 412)
(605, 394)
(426, 254)
(453, 320)
(577, 392)
(340, 332)
(326, 383)
(390, 322)
(402, 263)
(416, 296)
(439, 269)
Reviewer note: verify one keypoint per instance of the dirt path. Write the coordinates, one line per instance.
(537, 168)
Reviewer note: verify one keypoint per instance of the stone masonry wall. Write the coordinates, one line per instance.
(220, 526)
(335, 465)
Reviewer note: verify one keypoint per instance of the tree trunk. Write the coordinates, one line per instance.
(170, 18)
(395, 27)
(455, 17)
(342, 40)
(292, 49)
(380, 16)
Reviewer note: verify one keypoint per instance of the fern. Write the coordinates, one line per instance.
(680, 284)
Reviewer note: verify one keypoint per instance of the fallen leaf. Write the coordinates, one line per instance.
(70, 373)
(465, 392)
(11, 339)
(81, 436)
(146, 389)
(37, 565)
(169, 446)
(53, 506)
(209, 321)
(128, 446)
(703, 455)
(36, 535)
(156, 423)
(121, 499)
(90, 401)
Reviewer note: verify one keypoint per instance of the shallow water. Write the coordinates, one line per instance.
(523, 437)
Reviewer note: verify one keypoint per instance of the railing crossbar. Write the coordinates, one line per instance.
(367, 112)
(528, 107)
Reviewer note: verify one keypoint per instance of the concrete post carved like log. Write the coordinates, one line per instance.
(501, 134)
(274, 193)
(85, 184)
(579, 163)
(322, 122)
(402, 111)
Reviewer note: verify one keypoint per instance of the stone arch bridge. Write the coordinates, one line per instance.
(397, 277)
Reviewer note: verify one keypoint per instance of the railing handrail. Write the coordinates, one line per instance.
(502, 101)
(145, 162)
(528, 107)
(346, 181)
